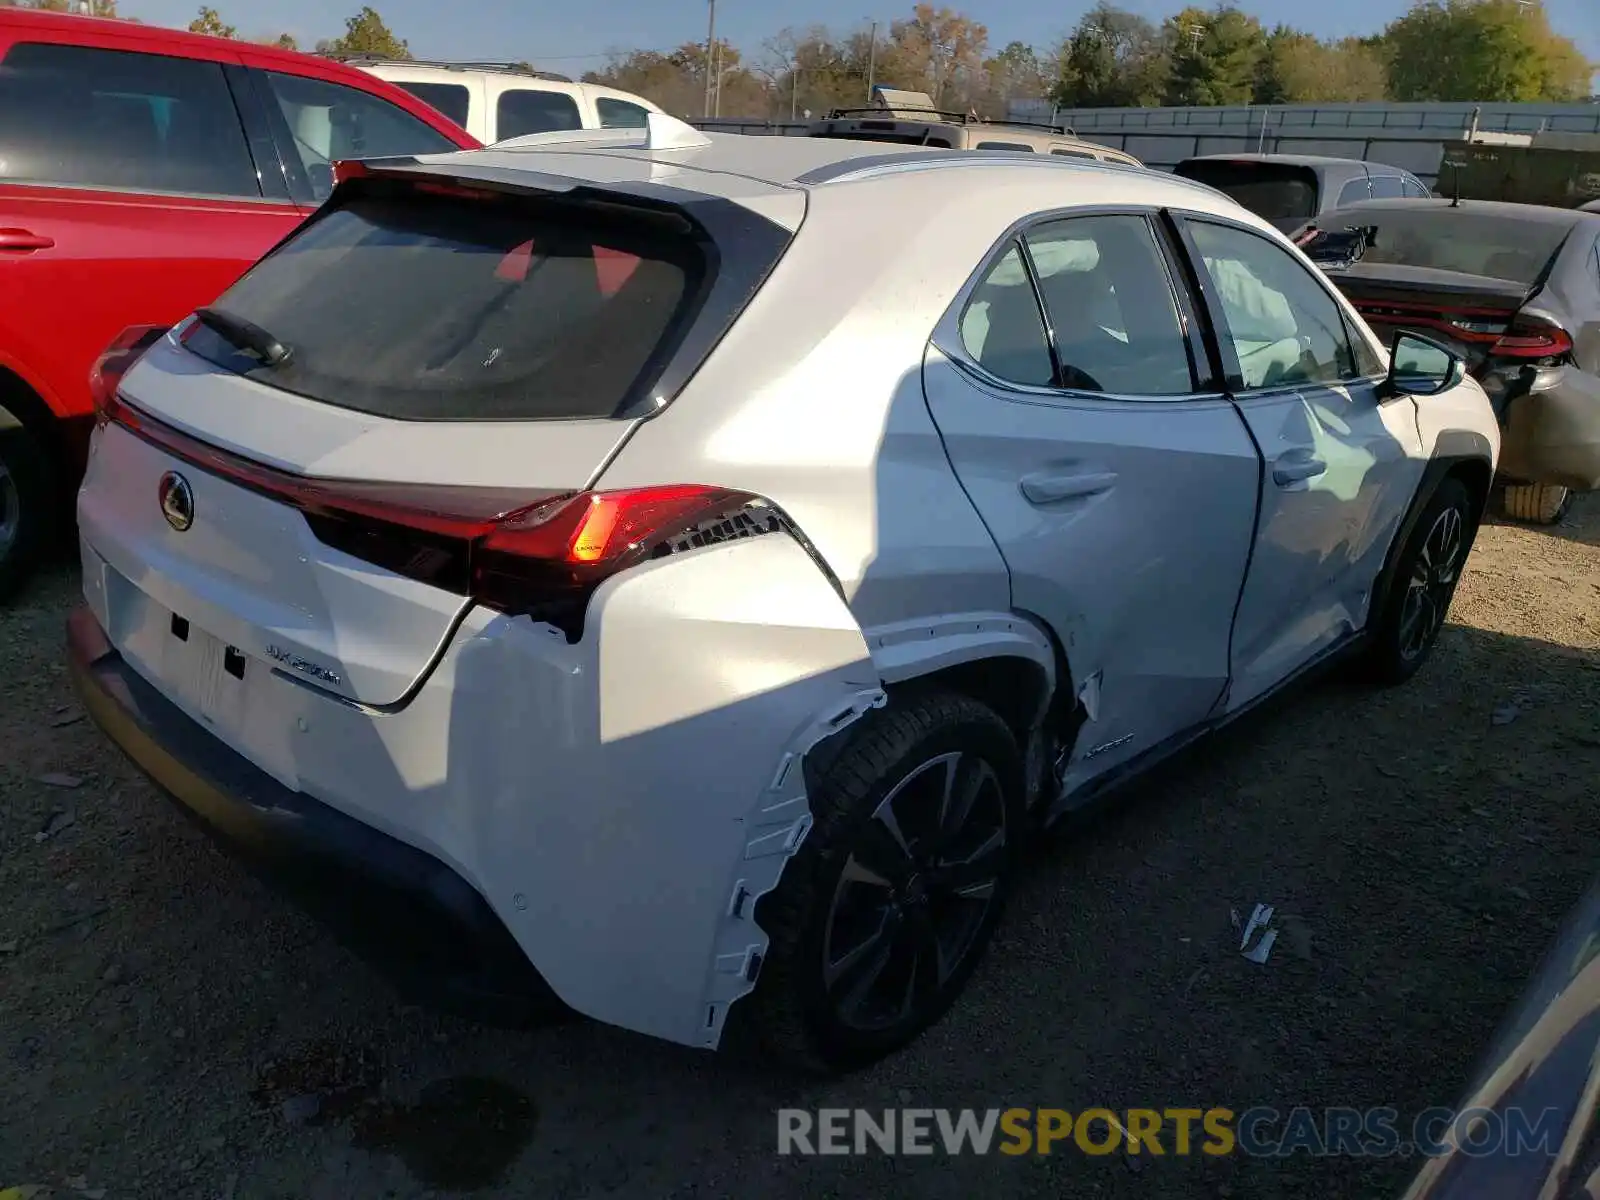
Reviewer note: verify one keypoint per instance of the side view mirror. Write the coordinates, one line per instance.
(1420, 366)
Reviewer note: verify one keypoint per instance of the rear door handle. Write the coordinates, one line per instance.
(24, 240)
(1047, 488)
(1296, 470)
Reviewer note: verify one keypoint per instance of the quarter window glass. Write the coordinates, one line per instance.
(1072, 153)
(1356, 189)
(1387, 187)
(452, 99)
(1413, 189)
(1286, 329)
(523, 111)
(619, 114)
(1022, 146)
(108, 118)
(328, 122)
(1106, 288)
(1001, 326)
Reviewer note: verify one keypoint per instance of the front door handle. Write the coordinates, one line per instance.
(1297, 470)
(1047, 487)
(24, 240)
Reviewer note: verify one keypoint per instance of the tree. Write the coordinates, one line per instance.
(1488, 50)
(1015, 73)
(365, 33)
(1113, 59)
(808, 70)
(210, 22)
(283, 41)
(1296, 68)
(677, 81)
(938, 51)
(1216, 56)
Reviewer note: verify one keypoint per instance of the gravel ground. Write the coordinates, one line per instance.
(169, 1028)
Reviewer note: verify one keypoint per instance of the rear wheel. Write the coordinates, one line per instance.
(891, 900)
(1536, 503)
(1430, 566)
(27, 507)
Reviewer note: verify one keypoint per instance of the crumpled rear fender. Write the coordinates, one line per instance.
(675, 794)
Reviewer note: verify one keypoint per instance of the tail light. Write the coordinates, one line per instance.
(1532, 336)
(115, 361)
(540, 555)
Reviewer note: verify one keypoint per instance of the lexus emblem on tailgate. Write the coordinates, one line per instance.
(177, 501)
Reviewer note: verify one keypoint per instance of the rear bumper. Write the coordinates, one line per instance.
(408, 914)
(1551, 421)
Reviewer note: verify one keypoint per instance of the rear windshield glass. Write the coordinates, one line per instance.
(1273, 191)
(433, 308)
(1441, 238)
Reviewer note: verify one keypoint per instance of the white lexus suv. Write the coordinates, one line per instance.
(667, 576)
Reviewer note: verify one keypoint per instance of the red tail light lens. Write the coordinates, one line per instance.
(1533, 337)
(546, 560)
(116, 360)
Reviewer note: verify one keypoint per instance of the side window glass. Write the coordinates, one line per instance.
(1002, 328)
(329, 121)
(1109, 296)
(1387, 187)
(451, 99)
(109, 118)
(1285, 327)
(1353, 191)
(524, 110)
(1022, 147)
(619, 114)
(1072, 153)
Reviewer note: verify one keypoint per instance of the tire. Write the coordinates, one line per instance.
(1536, 503)
(819, 1006)
(27, 508)
(1414, 610)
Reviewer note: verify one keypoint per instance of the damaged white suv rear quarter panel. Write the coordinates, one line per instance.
(635, 863)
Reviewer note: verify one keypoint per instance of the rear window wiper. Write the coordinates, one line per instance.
(244, 335)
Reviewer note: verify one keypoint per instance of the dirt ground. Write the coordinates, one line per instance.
(169, 1028)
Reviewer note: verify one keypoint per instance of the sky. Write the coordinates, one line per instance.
(576, 36)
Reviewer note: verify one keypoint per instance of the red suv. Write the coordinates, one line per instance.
(141, 171)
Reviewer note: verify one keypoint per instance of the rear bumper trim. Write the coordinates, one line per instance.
(408, 914)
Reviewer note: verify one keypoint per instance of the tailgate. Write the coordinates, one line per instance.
(250, 569)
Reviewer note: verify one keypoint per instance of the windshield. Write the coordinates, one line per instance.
(1440, 238)
(1273, 191)
(431, 308)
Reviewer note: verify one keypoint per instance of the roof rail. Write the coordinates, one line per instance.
(508, 68)
(955, 118)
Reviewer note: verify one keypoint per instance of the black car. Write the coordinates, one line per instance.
(1291, 189)
(1513, 288)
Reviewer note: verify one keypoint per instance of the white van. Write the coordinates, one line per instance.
(496, 101)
